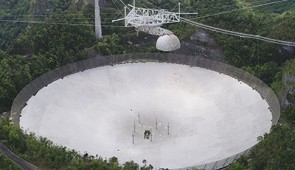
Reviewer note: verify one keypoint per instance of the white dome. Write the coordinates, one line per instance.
(168, 43)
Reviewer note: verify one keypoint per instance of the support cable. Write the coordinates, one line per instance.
(240, 9)
(238, 34)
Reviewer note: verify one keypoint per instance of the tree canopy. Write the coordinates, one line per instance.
(41, 35)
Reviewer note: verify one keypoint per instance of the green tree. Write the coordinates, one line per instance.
(240, 164)
(62, 37)
(289, 113)
(6, 164)
(14, 75)
(131, 166)
(110, 45)
(276, 150)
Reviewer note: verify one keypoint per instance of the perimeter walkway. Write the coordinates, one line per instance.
(17, 160)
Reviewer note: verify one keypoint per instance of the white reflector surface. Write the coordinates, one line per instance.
(211, 116)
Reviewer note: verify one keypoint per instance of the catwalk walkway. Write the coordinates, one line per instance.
(17, 160)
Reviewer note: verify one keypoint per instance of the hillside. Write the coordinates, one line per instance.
(41, 35)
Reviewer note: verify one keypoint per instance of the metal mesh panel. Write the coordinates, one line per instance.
(42, 81)
(222, 163)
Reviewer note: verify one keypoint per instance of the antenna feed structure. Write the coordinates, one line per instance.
(150, 21)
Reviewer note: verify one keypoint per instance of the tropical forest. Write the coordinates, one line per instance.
(37, 36)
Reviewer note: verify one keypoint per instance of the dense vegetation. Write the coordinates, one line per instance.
(275, 151)
(41, 35)
(7, 164)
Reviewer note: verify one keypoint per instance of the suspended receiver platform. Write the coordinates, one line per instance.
(150, 22)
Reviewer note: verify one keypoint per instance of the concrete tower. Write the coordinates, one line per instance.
(98, 31)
